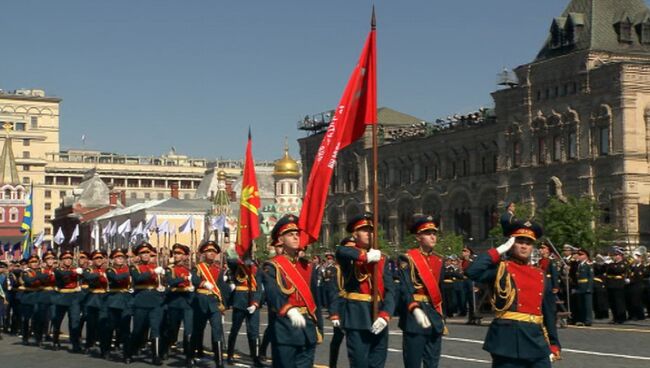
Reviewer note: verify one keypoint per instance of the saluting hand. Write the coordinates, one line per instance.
(503, 248)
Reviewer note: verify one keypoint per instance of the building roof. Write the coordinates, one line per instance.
(93, 192)
(593, 23)
(8, 171)
(388, 116)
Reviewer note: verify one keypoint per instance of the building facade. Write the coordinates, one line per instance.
(573, 122)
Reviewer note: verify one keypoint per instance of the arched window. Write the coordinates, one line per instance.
(2, 215)
(13, 214)
(516, 154)
(7, 193)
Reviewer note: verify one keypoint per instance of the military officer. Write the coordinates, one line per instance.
(245, 302)
(583, 287)
(179, 301)
(148, 299)
(421, 275)
(69, 294)
(268, 332)
(207, 278)
(450, 276)
(601, 306)
(46, 296)
(335, 296)
(523, 333)
(97, 314)
(30, 285)
(366, 334)
(290, 283)
(119, 301)
(615, 273)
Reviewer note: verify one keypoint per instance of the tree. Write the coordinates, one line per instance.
(576, 222)
(449, 243)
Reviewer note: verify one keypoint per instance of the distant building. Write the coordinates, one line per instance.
(13, 195)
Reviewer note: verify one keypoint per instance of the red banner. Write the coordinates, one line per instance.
(357, 108)
(249, 222)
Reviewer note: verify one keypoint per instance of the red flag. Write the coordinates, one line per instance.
(249, 222)
(357, 108)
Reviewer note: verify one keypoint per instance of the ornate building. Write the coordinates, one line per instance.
(574, 121)
(13, 195)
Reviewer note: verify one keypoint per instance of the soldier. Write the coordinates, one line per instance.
(97, 314)
(467, 258)
(421, 275)
(601, 306)
(634, 289)
(180, 300)
(148, 300)
(119, 300)
(268, 332)
(335, 296)
(4, 300)
(449, 275)
(30, 285)
(509, 216)
(15, 269)
(523, 333)
(69, 294)
(366, 339)
(290, 285)
(210, 286)
(615, 273)
(46, 296)
(245, 302)
(583, 286)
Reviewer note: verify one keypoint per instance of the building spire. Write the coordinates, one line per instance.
(8, 171)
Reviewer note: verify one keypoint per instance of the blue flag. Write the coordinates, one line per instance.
(27, 217)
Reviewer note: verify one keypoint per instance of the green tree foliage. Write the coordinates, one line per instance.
(449, 243)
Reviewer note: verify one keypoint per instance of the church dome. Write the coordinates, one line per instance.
(286, 166)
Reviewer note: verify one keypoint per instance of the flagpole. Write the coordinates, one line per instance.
(375, 201)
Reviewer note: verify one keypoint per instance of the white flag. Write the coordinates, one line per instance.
(218, 223)
(106, 232)
(187, 226)
(59, 238)
(172, 230)
(75, 234)
(113, 230)
(139, 229)
(39, 239)
(125, 227)
(152, 224)
(164, 227)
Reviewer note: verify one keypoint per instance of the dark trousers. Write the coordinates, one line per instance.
(97, 328)
(252, 323)
(143, 318)
(13, 313)
(201, 320)
(634, 300)
(120, 320)
(366, 349)
(505, 362)
(616, 298)
(74, 322)
(418, 349)
(335, 346)
(584, 310)
(174, 318)
(289, 356)
(27, 317)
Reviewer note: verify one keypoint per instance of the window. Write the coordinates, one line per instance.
(572, 152)
(2, 215)
(49, 180)
(13, 214)
(147, 196)
(48, 231)
(25, 167)
(624, 30)
(25, 154)
(644, 33)
(34, 122)
(7, 194)
(604, 141)
(19, 127)
(516, 154)
(557, 148)
(62, 194)
(48, 206)
(539, 95)
(161, 195)
(25, 142)
(48, 218)
(541, 150)
(26, 180)
(48, 194)
(134, 195)
(574, 88)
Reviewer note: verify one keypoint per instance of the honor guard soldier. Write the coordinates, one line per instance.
(245, 302)
(148, 300)
(83, 262)
(335, 296)
(4, 300)
(583, 287)
(268, 332)
(615, 273)
(209, 304)
(46, 296)
(366, 339)
(119, 300)
(523, 332)
(30, 285)
(179, 301)
(97, 314)
(15, 269)
(69, 295)
(290, 286)
(421, 319)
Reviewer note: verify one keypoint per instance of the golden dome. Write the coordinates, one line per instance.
(286, 166)
(221, 175)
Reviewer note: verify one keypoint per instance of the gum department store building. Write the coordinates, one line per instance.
(573, 122)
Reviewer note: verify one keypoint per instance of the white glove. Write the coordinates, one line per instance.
(373, 255)
(336, 323)
(297, 319)
(232, 287)
(378, 326)
(79, 270)
(627, 281)
(225, 276)
(159, 270)
(421, 318)
(223, 320)
(208, 285)
(501, 249)
(251, 309)
(551, 357)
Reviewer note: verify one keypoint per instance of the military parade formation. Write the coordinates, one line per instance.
(128, 301)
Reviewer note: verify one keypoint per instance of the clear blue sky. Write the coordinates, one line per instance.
(141, 76)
